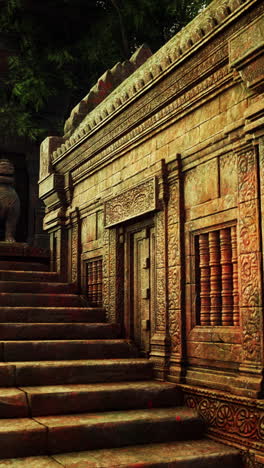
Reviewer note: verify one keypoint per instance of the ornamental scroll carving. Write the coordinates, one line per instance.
(232, 420)
(247, 176)
(252, 334)
(74, 253)
(248, 227)
(175, 330)
(250, 257)
(134, 202)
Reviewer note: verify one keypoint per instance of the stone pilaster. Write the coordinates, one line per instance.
(175, 285)
(250, 272)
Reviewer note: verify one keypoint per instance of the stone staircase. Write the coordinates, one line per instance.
(75, 394)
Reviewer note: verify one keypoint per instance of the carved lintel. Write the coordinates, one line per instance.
(136, 201)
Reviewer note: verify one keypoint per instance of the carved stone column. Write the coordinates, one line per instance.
(250, 272)
(113, 274)
(74, 246)
(175, 285)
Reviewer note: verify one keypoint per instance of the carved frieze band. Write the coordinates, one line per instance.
(104, 146)
(235, 421)
(137, 201)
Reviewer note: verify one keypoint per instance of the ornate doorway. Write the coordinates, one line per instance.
(139, 283)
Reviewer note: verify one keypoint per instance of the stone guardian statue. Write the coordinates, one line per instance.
(9, 201)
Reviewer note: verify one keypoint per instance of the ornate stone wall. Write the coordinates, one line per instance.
(178, 157)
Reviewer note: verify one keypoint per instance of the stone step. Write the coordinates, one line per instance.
(37, 287)
(21, 437)
(13, 403)
(118, 428)
(22, 266)
(51, 314)
(37, 300)
(30, 462)
(45, 350)
(34, 373)
(66, 399)
(201, 453)
(23, 251)
(58, 331)
(35, 276)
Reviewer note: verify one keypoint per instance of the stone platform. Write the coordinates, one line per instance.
(19, 256)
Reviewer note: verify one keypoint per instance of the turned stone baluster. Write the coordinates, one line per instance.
(236, 315)
(215, 278)
(100, 281)
(94, 289)
(90, 281)
(97, 281)
(204, 279)
(227, 277)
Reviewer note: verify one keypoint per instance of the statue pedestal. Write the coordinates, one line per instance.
(18, 255)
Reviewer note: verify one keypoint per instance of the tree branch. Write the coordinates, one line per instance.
(122, 28)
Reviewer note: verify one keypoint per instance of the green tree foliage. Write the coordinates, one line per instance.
(58, 49)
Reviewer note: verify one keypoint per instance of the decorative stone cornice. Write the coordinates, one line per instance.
(246, 55)
(105, 86)
(198, 31)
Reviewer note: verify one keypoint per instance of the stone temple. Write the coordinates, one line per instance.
(137, 339)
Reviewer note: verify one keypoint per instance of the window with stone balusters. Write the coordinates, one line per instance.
(217, 277)
(94, 278)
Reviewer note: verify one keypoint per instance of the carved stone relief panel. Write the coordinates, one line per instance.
(249, 240)
(233, 419)
(174, 287)
(74, 252)
(161, 300)
(175, 310)
(249, 259)
(173, 245)
(175, 331)
(113, 294)
(252, 332)
(173, 204)
(106, 272)
(250, 281)
(160, 227)
(247, 176)
(132, 203)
